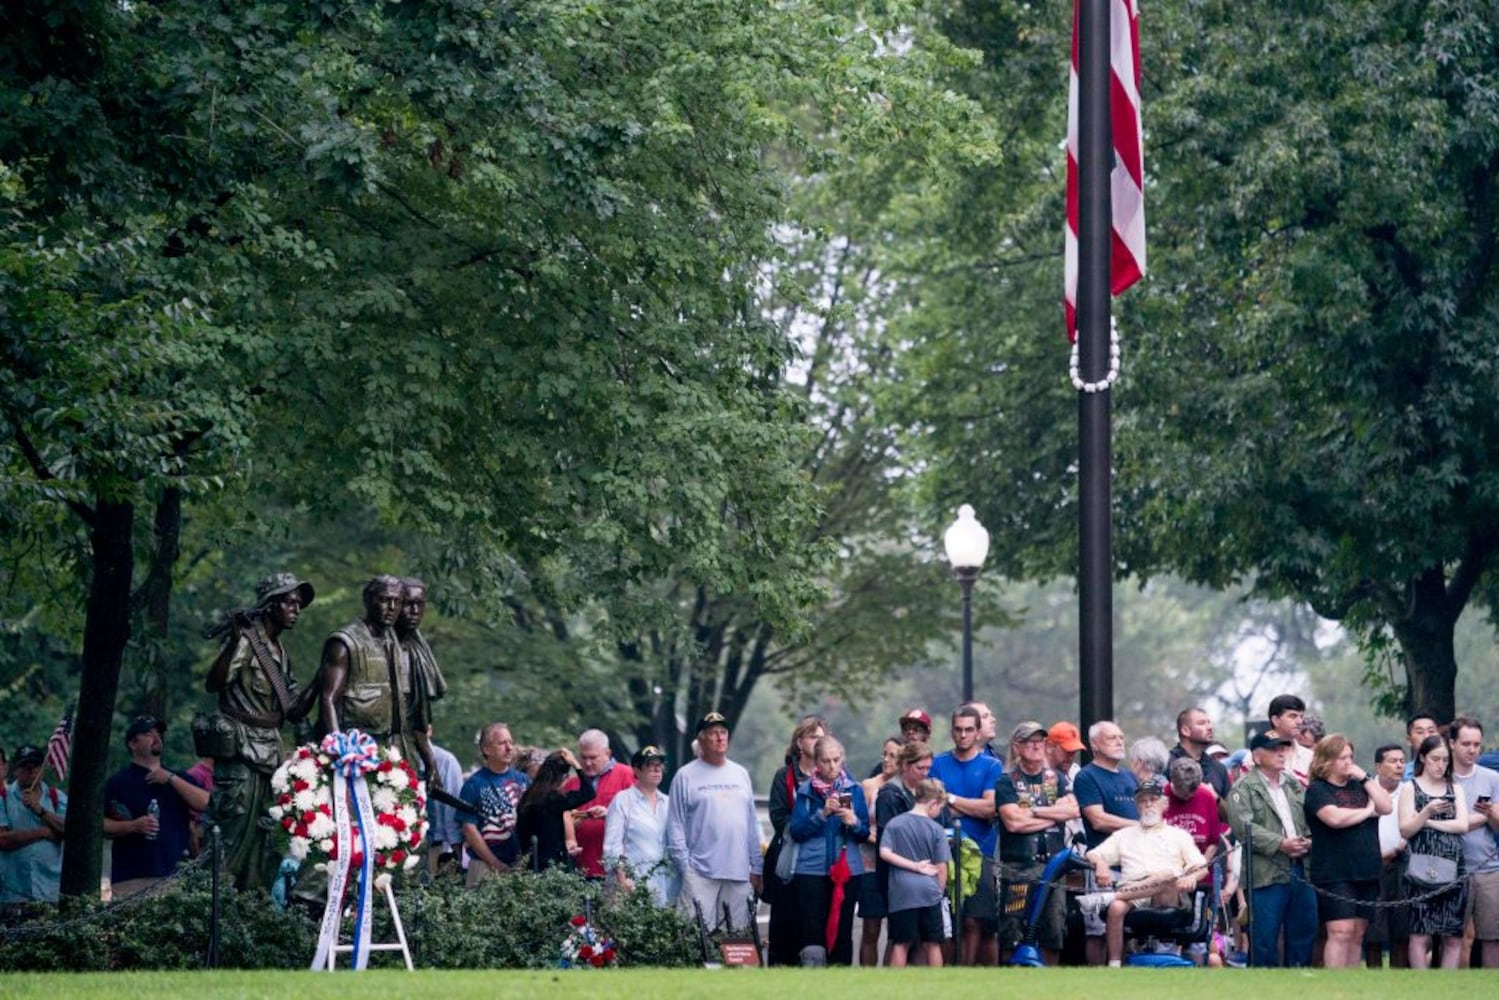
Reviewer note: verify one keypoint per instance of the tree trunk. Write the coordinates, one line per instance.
(106, 630)
(157, 598)
(1425, 634)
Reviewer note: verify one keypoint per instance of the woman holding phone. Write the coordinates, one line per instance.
(829, 822)
(1433, 819)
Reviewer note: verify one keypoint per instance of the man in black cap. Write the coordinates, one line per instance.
(257, 693)
(1266, 808)
(147, 812)
(712, 830)
(33, 816)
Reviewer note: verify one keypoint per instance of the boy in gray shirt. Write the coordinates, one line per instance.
(914, 845)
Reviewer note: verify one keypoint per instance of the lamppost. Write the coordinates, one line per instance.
(967, 544)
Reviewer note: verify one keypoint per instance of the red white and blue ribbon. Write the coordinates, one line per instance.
(354, 755)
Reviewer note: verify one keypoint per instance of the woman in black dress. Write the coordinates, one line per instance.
(1433, 819)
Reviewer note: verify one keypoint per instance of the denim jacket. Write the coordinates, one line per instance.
(824, 837)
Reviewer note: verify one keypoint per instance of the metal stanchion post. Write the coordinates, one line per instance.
(1248, 884)
(957, 881)
(215, 859)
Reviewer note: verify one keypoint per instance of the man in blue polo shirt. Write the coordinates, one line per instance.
(147, 847)
(969, 775)
(1105, 794)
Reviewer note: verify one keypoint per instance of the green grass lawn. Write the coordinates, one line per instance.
(778, 984)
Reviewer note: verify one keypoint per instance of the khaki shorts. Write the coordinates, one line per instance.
(1483, 905)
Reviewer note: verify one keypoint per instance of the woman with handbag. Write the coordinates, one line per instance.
(1433, 819)
(785, 925)
(1343, 806)
(828, 823)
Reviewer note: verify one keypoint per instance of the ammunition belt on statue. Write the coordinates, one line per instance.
(251, 719)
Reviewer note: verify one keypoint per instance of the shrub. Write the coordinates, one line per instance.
(514, 922)
(519, 921)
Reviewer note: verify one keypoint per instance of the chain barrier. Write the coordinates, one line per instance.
(1017, 875)
(1422, 897)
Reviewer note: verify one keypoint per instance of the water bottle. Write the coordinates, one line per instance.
(154, 811)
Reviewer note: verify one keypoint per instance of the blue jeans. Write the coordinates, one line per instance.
(1286, 906)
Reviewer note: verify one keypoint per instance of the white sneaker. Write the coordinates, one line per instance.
(1094, 903)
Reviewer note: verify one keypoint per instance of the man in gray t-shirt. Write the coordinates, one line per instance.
(1481, 843)
(713, 832)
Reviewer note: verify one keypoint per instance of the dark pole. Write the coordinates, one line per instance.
(966, 575)
(1095, 161)
(215, 859)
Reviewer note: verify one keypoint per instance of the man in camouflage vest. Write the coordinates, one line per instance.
(366, 680)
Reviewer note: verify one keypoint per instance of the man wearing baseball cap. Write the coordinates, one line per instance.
(1159, 860)
(1266, 808)
(713, 832)
(1034, 802)
(33, 816)
(916, 725)
(148, 844)
(1063, 744)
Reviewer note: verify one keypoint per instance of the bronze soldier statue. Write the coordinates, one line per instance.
(365, 682)
(427, 683)
(257, 693)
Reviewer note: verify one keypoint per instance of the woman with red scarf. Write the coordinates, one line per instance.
(828, 823)
(785, 920)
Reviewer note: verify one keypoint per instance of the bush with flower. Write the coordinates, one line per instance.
(303, 809)
(585, 947)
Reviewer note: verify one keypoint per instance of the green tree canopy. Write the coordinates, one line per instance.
(1309, 391)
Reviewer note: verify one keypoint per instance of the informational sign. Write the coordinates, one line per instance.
(739, 951)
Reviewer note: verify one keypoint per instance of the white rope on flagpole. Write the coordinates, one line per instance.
(1108, 380)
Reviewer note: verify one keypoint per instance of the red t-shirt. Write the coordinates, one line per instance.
(1198, 816)
(590, 832)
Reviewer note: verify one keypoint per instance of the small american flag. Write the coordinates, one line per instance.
(60, 745)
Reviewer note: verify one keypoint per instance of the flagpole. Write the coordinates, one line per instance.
(1095, 459)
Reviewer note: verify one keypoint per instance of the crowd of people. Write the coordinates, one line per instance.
(1307, 856)
(1306, 851)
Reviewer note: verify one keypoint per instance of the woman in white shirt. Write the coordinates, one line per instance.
(635, 831)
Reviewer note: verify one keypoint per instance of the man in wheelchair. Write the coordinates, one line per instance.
(1158, 864)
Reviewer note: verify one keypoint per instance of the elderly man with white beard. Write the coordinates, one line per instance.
(1157, 861)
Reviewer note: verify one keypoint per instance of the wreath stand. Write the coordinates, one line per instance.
(399, 944)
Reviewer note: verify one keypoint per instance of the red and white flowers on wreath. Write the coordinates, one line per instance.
(303, 810)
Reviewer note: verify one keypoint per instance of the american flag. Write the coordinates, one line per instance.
(1127, 179)
(60, 745)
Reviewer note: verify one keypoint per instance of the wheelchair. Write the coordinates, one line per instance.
(1177, 928)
